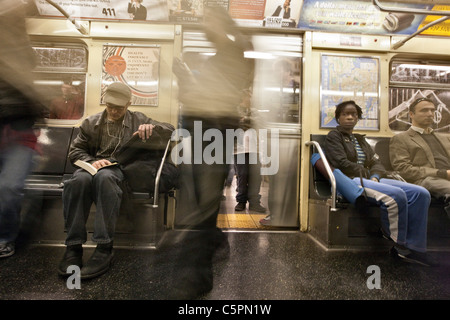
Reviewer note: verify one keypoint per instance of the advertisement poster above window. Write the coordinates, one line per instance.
(343, 16)
(260, 13)
(363, 17)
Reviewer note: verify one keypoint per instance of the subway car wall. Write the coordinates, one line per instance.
(321, 69)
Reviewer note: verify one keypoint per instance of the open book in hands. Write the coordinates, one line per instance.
(90, 168)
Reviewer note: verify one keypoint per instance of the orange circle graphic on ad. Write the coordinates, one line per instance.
(115, 65)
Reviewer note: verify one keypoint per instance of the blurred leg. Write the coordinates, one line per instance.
(16, 163)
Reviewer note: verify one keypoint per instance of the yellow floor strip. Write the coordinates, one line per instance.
(228, 218)
(240, 221)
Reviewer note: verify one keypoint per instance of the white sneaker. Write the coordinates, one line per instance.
(7, 249)
(265, 221)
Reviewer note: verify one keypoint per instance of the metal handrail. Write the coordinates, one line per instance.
(329, 171)
(77, 25)
(158, 176)
(410, 10)
(400, 43)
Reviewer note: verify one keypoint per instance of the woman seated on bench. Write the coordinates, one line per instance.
(404, 206)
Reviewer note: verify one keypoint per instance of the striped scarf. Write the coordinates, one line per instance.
(361, 156)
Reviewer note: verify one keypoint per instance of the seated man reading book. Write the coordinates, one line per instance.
(101, 136)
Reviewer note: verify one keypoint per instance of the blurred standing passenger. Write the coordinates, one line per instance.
(248, 167)
(70, 105)
(209, 99)
(20, 108)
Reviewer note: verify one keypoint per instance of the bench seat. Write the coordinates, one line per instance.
(338, 225)
(42, 211)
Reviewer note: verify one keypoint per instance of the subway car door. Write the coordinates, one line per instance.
(275, 114)
(277, 98)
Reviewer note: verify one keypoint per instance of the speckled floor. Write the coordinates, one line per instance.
(260, 266)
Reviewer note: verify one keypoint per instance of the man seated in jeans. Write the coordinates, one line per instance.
(101, 135)
(421, 155)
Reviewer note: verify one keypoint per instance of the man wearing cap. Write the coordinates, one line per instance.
(421, 155)
(101, 135)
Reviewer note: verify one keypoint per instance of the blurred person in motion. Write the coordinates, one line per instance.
(20, 110)
(210, 99)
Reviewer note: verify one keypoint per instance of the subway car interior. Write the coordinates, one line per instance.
(304, 241)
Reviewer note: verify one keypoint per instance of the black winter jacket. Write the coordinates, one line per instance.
(341, 154)
(87, 143)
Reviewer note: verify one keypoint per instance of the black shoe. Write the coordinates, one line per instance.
(221, 246)
(72, 256)
(193, 286)
(98, 264)
(415, 257)
(240, 206)
(257, 208)
(385, 235)
(361, 205)
(193, 277)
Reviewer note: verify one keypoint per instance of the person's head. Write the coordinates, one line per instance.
(287, 3)
(67, 89)
(117, 99)
(421, 112)
(282, 70)
(347, 114)
(218, 25)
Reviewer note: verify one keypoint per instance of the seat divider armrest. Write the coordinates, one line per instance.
(329, 171)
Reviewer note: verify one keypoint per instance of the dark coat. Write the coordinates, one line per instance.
(341, 154)
(139, 13)
(87, 143)
(286, 13)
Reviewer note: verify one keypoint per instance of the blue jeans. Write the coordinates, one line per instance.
(15, 165)
(83, 189)
(404, 210)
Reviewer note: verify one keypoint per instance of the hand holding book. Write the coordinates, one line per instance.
(94, 167)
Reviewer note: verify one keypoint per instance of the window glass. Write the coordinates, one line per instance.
(276, 88)
(277, 84)
(60, 77)
(410, 80)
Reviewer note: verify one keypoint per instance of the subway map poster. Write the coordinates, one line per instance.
(349, 78)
